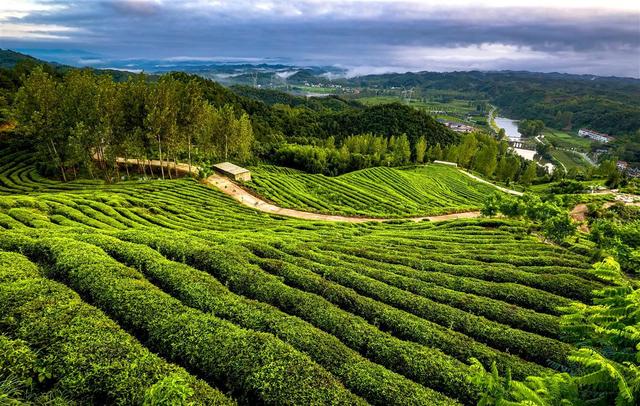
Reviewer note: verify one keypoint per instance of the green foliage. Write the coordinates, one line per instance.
(80, 351)
(616, 231)
(552, 218)
(270, 309)
(530, 128)
(171, 390)
(487, 155)
(529, 174)
(557, 389)
(606, 104)
(200, 290)
(606, 366)
(558, 228)
(378, 192)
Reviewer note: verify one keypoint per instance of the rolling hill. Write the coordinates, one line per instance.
(377, 192)
(147, 288)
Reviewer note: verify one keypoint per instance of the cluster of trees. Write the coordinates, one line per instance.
(616, 232)
(483, 153)
(477, 151)
(605, 369)
(84, 121)
(530, 128)
(551, 215)
(355, 152)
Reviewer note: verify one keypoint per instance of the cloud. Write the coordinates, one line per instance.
(568, 35)
(36, 31)
(135, 7)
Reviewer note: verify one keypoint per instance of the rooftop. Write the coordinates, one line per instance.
(228, 167)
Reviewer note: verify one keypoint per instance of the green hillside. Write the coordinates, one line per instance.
(116, 292)
(379, 192)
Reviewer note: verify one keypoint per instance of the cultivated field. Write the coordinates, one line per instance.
(565, 140)
(123, 290)
(570, 159)
(375, 192)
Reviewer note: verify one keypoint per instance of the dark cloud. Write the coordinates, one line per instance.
(381, 36)
(134, 7)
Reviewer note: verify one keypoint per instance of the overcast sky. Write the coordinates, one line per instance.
(588, 36)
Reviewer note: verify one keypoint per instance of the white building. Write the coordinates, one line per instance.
(458, 127)
(594, 135)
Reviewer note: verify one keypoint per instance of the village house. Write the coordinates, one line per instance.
(457, 127)
(594, 135)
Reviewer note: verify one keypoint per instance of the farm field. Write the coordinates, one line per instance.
(374, 192)
(565, 140)
(121, 291)
(569, 159)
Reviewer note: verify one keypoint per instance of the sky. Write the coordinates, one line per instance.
(583, 37)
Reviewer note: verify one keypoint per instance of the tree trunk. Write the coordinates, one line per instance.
(90, 170)
(64, 177)
(189, 140)
(175, 165)
(150, 168)
(117, 170)
(169, 165)
(126, 165)
(160, 151)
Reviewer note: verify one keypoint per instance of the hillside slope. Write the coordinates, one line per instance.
(375, 192)
(119, 286)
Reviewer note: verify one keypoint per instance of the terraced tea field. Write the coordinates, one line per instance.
(142, 288)
(374, 192)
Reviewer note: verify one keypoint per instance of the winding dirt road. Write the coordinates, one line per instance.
(232, 189)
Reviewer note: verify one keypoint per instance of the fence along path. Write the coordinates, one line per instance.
(235, 191)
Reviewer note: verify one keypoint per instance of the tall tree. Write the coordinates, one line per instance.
(39, 115)
(161, 119)
(243, 141)
(485, 160)
(529, 174)
(420, 148)
(190, 113)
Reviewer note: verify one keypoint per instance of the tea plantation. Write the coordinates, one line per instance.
(169, 289)
(375, 192)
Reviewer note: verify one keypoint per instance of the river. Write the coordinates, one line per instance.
(511, 130)
(510, 127)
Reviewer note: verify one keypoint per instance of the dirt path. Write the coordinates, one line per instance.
(232, 189)
(503, 189)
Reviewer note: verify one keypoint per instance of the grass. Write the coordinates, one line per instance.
(455, 108)
(570, 159)
(375, 100)
(565, 140)
(144, 284)
(378, 192)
